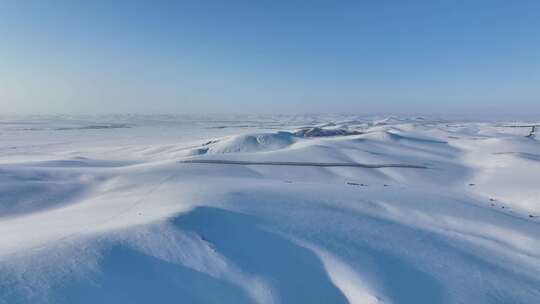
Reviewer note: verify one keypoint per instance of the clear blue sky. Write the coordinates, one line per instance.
(269, 56)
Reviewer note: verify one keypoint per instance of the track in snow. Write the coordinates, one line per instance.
(304, 164)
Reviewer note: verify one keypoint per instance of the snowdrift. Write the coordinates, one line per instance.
(126, 216)
(253, 143)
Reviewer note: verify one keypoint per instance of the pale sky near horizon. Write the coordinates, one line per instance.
(95, 57)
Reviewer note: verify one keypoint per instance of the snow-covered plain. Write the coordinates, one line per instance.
(168, 209)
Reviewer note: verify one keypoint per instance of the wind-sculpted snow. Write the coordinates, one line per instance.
(252, 143)
(248, 210)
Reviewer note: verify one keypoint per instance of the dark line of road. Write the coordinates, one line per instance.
(304, 164)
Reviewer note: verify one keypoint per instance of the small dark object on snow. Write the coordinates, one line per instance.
(531, 216)
(532, 133)
(502, 207)
(471, 184)
(492, 204)
(353, 184)
(385, 185)
(491, 200)
(210, 142)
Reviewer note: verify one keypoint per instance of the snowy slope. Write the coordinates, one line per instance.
(166, 209)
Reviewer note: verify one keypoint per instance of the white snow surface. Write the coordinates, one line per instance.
(108, 209)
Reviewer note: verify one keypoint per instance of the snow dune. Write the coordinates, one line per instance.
(268, 210)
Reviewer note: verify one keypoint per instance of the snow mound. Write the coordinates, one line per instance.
(252, 143)
(397, 136)
(390, 120)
